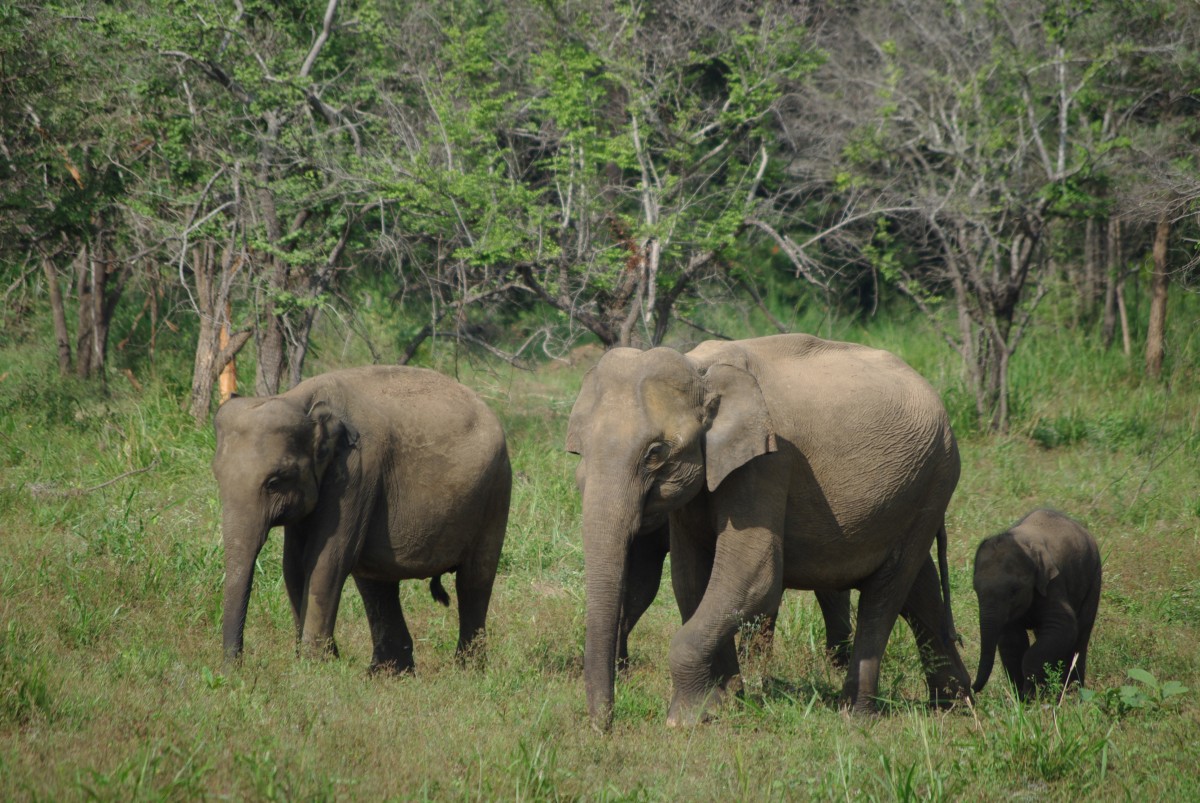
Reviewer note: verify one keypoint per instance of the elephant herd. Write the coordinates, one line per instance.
(760, 465)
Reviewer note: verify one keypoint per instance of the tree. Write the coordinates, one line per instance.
(978, 126)
(286, 118)
(607, 164)
(70, 149)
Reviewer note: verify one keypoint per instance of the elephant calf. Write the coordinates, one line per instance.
(1042, 575)
(383, 473)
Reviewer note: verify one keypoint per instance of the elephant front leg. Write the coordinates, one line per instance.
(1014, 643)
(293, 577)
(647, 553)
(393, 644)
(1051, 652)
(325, 561)
(745, 582)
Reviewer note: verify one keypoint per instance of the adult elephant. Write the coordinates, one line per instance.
(382, 473)
(779, 462)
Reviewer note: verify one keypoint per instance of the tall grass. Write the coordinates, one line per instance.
(111, 568)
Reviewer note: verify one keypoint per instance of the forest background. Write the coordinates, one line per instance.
(1003, 193)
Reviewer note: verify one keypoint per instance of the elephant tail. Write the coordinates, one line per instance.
(439, 592)
(951, 635)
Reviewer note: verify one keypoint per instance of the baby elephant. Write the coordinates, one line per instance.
(1042, 575)
(382, 473)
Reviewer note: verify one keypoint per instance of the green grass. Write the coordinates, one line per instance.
(110, 608)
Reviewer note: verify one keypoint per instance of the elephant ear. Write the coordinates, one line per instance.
(585, 402)
(328, 429)
(738, 423)
(1045, 569)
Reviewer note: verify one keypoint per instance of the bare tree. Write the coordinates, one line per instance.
(976, 125)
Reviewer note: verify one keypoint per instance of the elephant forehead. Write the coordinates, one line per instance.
(1002, 553)
(660, 371)
(272, 427)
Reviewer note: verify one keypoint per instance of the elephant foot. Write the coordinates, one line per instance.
(689, 710)
(392, 668)
(861, 705)
(472, 655)
(944, 699)
(319, 650)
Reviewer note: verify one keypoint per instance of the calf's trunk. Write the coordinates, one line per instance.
(990, 627)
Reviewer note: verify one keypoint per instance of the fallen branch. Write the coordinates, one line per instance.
(47, 490)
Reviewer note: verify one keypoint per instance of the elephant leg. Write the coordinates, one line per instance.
(746, 580)
(1052, 649)
(475, 577)
(1087, 618)
(647, 553)
(326, 563)
(881, 598)
(925, 612)
(693, 553)
(393, 644)
(293, 576)
(1013, 644)
(835, 610)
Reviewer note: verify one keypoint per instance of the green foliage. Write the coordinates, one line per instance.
(1145, 694)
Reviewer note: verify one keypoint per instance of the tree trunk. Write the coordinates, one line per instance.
(216, 346)
(91, 336)
(1112, 283)
(227, 381)
(1159, 282)
(59, 313)
(272, 350)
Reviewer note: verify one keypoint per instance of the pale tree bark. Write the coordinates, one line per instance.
(216, 346)
(1160, 281)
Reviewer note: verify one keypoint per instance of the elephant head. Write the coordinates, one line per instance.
(1007, 575)
(653, 430)
(270, 460)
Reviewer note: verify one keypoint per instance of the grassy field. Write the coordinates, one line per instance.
(110, 578)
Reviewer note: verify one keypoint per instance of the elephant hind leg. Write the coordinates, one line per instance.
(393, 644)
(835, 610)
(474, 591)
(882, 597)
(1087, 618)
(474, 578)
(878, 607)
(925, 612)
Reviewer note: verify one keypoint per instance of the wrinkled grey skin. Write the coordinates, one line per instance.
(382, 473)
(648, 552)
(1042, 575)
(779, 462)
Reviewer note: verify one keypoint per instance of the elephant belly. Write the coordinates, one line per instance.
(414, 555)
(816, 564)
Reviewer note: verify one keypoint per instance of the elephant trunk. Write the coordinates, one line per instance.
(606, 539)
(990, 627)
(242, 544)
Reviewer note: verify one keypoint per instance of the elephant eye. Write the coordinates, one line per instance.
(279, 481)
(656, 455)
